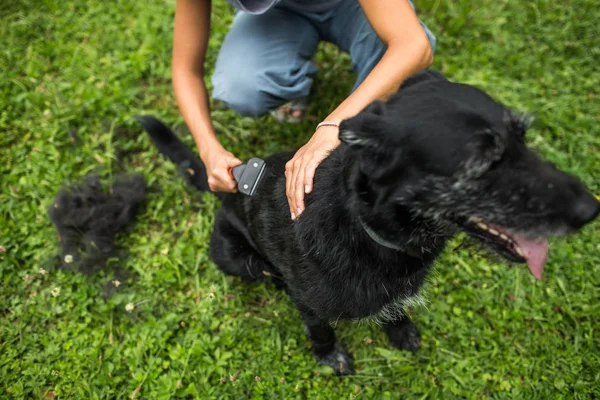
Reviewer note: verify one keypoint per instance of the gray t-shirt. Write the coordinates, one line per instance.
(261, 6)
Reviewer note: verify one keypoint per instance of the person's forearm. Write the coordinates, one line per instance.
(398, 63)
(192, 98)
(190, 41)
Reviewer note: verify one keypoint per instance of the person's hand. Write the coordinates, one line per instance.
(218, 161)
(300, 170)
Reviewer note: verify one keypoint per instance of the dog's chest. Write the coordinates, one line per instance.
(387, 297)
(396, 309)
(365, 292)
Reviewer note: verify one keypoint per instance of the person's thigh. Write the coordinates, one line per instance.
(264, 61)
(352, 32)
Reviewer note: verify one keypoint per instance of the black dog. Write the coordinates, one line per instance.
(436, 158)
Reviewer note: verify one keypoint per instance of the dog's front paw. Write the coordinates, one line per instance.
(405, 336)
(338, 359)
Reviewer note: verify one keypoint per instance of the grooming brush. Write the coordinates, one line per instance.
(248, 175)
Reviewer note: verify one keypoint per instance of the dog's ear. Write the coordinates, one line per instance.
(517, 123)
(484, 149)
(365, 129)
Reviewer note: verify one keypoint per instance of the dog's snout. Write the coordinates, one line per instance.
(583, 210)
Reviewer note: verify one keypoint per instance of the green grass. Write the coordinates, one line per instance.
(88, 66)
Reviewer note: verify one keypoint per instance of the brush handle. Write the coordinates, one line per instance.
(236, 172)
(248, 175)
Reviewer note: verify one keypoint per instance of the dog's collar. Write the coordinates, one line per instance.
(386, 243)
(378, 239)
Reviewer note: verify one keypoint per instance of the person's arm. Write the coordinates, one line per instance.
(408, 51)
(190, 41)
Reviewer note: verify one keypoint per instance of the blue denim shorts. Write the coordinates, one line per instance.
(265, 60)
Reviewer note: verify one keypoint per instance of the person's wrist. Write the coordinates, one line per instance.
(328, 132)
(328, 122)
(209, 147)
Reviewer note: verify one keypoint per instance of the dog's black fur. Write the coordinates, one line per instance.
(409, 174)
(87, 216)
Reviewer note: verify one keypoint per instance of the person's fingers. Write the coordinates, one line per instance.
(296, 169)
(220, 181)
(299, 188)
(233, 162)
(288, 184)
(228, 184)
(217, 185)
(225, 182)
(309, 174)
(212, 184)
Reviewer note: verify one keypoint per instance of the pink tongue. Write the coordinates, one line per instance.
(536, 254)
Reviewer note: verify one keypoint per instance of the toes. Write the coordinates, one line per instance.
(405, 337)
(338, 359)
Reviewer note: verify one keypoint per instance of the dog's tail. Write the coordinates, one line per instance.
(171, 146)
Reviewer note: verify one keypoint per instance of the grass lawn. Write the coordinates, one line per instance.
(87, 67)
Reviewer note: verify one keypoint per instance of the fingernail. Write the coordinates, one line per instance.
(293, 216)
(306, 188)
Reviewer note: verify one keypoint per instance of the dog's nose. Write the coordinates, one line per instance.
(584, 210)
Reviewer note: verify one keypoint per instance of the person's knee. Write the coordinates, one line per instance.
(242, 93)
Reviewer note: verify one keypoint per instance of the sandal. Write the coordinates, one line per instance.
(292, 112)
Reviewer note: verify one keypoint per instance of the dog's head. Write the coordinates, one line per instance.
(450, 153)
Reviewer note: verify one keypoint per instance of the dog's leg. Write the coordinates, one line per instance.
(325, 347)
(234, 255)
(403, 334)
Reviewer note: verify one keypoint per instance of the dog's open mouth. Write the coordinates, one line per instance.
(512, 246)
